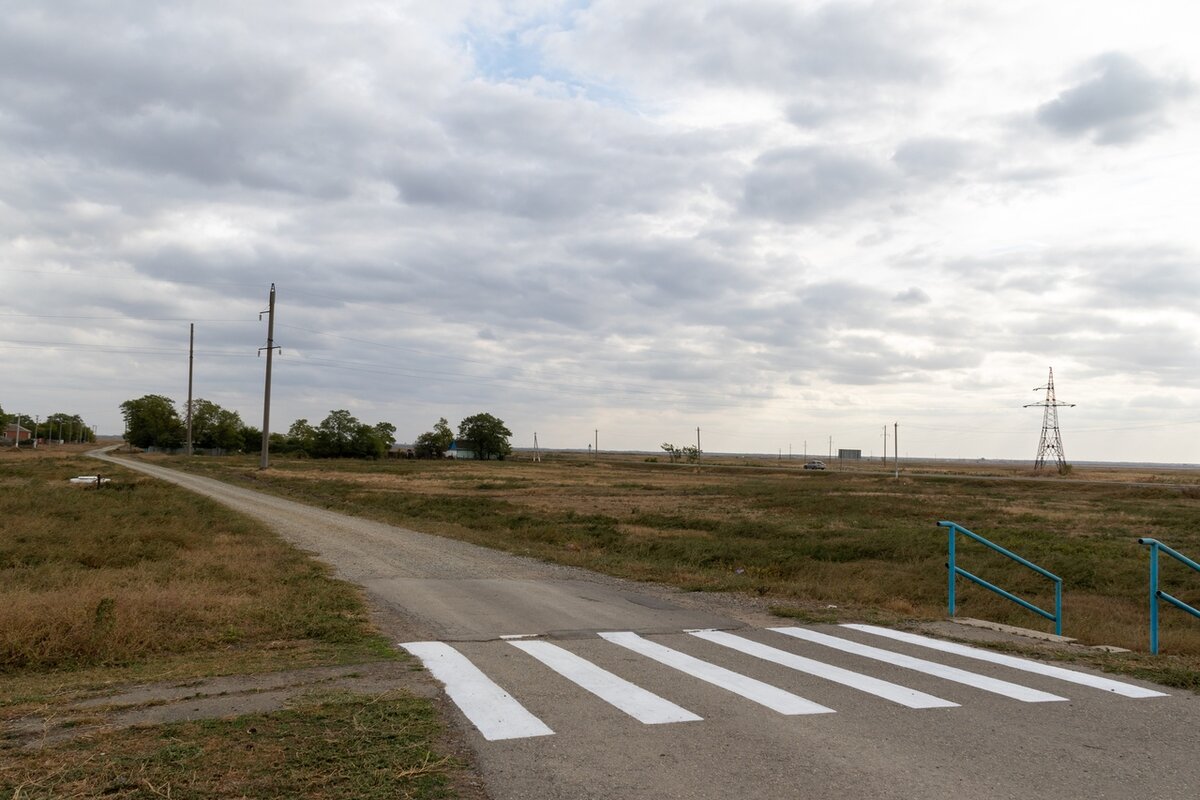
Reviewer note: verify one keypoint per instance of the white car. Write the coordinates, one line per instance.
(815, 465)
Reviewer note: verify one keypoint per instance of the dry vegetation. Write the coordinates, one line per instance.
(141, 581)
(853, 539)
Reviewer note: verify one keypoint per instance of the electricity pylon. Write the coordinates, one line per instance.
(1051, 441)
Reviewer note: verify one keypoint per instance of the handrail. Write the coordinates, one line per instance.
(954, 571)
(1157, 594)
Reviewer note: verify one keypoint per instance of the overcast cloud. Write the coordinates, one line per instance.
(778, 221)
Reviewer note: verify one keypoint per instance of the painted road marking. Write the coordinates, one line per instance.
(1013, 690)
(644, 706)
(1096, 682)
(489, 708)
(749, 688)
(856, 680)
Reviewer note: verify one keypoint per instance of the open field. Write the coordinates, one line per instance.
(140, 582)
(838, 544)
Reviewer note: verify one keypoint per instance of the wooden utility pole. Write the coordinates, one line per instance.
(270, 348)
(896, 442)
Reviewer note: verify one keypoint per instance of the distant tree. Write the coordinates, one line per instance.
(691, 453)
(432, 444)
(487, 434)
(216, 427)
(251, 440)
(3, 418)
(301, 438)
(672, 451)
(152, 421)
(335, 435)
(68, 427)
(341, 435)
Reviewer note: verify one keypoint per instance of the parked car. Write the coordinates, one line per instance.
(815, 465)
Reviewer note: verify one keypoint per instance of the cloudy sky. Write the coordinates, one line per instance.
(777, 221)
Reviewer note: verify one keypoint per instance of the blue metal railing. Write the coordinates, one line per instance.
(955, 570)
(1157, 594)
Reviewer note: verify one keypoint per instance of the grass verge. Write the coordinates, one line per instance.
(141, 582)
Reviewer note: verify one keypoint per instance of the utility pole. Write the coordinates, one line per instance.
(191, 361)
(831, 449)
(1051, 439)
(697, 445)
(537, 453)
(37, 420)
(896, 443)
(885, 446)
(597, 433)
(17, 433)
(270, 348)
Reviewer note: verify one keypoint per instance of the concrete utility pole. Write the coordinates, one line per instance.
(537, 453)
(885, 446)
(191, 361)
(37, 420)
(697, 445)
(270, 348)
(896, 442)
(597, 433)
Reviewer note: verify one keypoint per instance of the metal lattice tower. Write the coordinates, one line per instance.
(1051, 441)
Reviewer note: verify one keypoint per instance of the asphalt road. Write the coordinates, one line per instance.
(621, 690)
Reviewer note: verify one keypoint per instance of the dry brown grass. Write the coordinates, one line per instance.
(113, 575)
(863, 542)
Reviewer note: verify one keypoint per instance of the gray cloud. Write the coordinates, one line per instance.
(935, 156)
(803, 184)
(1119, 102)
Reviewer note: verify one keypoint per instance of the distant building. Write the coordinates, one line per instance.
(849, 455)
(15, 432)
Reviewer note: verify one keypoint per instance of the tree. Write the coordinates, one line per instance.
(672, 451)
(487, 434)
(216, 427)
(3, 419)
(432, 444)
(341, 435)
(301, 437)
(152, 421)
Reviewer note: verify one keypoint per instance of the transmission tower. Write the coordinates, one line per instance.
(1051, 441)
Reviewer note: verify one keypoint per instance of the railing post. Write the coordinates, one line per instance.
(953, 570)
(1154, 598)
(1058, 607)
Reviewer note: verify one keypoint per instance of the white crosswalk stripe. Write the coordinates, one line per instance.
(491, 709)
(856, 680)
(973, 679)
(498, 715)
(1024, 664)
(644, 706)
(749, 688)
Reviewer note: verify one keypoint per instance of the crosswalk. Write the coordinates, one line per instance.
(498, 715)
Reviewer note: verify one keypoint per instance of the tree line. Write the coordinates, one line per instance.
(154, 421)
(67, 427)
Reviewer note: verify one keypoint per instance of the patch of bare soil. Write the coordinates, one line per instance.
(209, 698)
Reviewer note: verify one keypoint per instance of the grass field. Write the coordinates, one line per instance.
(862, 542)
(140, 581)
